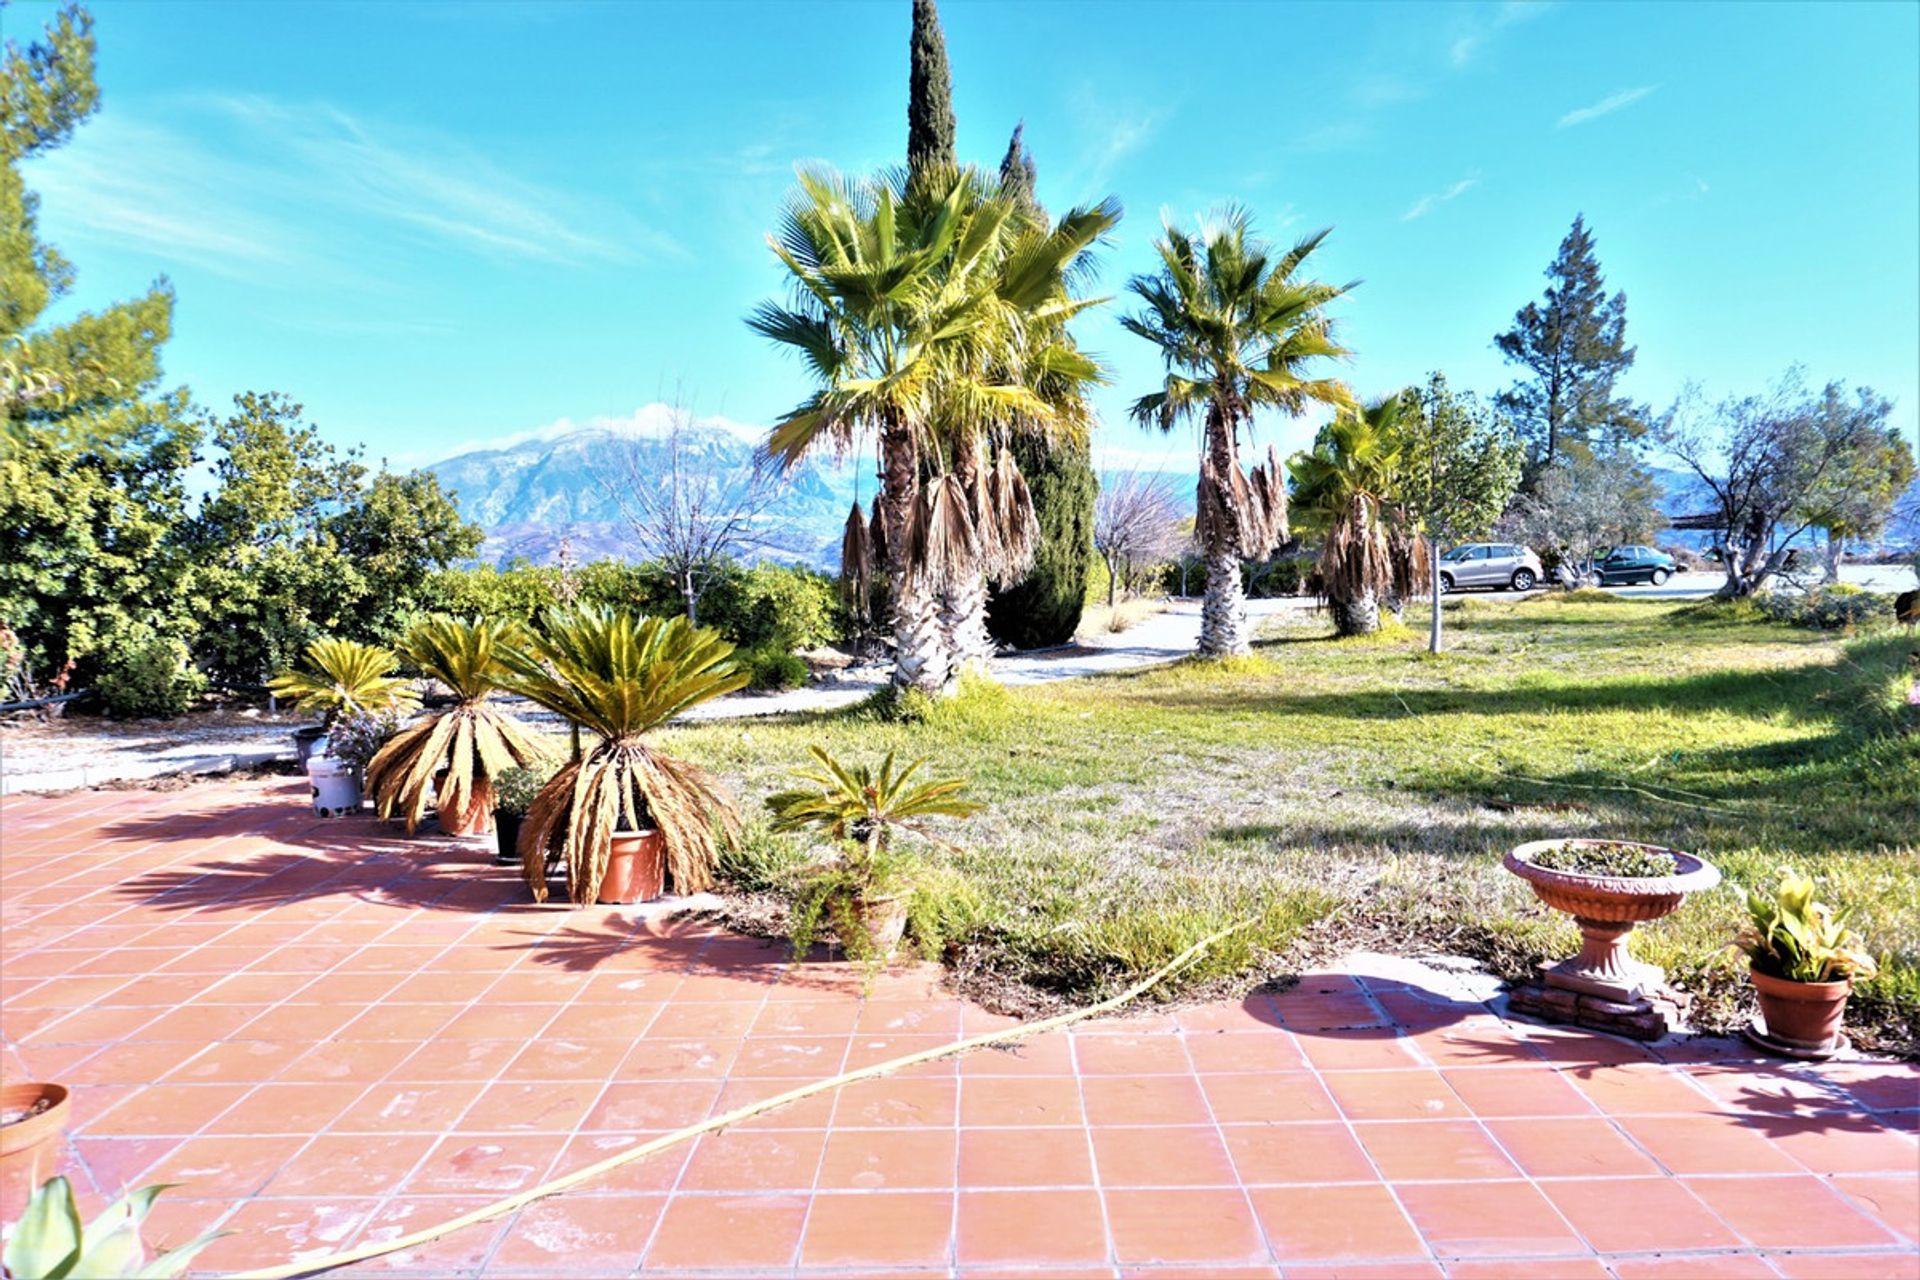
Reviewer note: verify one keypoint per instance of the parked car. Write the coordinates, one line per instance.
(1499, 565)
(1622, 566)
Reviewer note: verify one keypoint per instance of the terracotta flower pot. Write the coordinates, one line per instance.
(1606, 908)
(636, 868)
(475, 819)
(1802, 1015)
(30, 1147)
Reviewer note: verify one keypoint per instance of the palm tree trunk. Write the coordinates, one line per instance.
(963, 600)
(919, 650)
(1359, 616)
(1223, 612)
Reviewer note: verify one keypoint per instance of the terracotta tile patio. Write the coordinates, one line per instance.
(329, 1034)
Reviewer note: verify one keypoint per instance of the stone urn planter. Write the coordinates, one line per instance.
(1604, 986)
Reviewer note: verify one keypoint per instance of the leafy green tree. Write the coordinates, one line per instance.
(397, 532)
(1238, 332)
(1573, 346)
(1585, 502)
(93, 453)
(1873, 473)
(930, 124)
(1460, 465)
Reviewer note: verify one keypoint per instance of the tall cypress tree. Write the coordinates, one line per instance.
(930, 125)
(1573, 346)
(1044, 608)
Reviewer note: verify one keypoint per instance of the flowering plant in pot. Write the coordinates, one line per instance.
(1803, 959)
(514, 792)
(342, 677)
(454, 755)
(624, 805)
(49, 1241)
(865, 889)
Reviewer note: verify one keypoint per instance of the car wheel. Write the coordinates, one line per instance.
(1446, 583)
(1523, 579)
(1660, 577)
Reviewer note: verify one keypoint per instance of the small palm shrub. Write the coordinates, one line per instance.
(467, 745)
(867, 887)
(620, 677)
(49, 1242)
(344, 676)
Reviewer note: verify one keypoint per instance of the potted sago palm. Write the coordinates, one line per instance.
(454, 756)
(625, 818)
(1803, 959)
(341, 677)
(863, 889)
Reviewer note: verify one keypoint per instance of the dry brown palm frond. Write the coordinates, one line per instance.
(1407, 552)
(1223, 511)
(1356, 560)
(473, 742)
(877, 536)
(625, 786)
(1012, 517)
(942, 541)
(1269, 490)
(856, 562)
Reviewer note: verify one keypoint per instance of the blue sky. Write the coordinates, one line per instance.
(436, 224)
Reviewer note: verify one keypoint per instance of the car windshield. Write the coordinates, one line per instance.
(1458, 554)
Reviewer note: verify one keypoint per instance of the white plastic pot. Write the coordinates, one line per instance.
(336, 790)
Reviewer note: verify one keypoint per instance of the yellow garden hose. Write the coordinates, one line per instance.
(592, 1171)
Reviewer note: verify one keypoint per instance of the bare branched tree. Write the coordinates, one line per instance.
(1136, 521)
(681, 511)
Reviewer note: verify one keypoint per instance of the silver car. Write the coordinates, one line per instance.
(1499, 565)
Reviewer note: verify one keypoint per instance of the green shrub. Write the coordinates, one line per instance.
(149, 676)
(783, 607)
(1838, 606)
(771, 669)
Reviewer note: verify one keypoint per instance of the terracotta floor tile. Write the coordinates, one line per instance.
(558, 1107)
(652, 1059)
(360, 1162)
(1707, 1144)
(655, 1105)
(179, 1109)
(1884, 1086)
(1025, 1158)
(1638, 1215)
(728, 1233)
(624, 1023)
(755, 1160)
(1487, 1219)
(1724, 1266)
(1894, 1200)
(222, 1166)
(1490, 1045)
(1126, 1055)
(889, 1159)
(361, 1061)
(867, 1049)
(819, 1056)
(117, 1163)
(1433, 1150)
(1183, 1225)
(788, 1018)
(659, 1171)
(1265, 1051)
(1297, 1153)
(1843, 1144)
(1030, 1229)
(1042, 1055)
(1020, 1100)
(1518, 1091)
(465, 1163)
(1845, 1266)
(1129, 1100)
(310, 1022)
(287, 1108)
(910, 1017)
(271, 1232)
(1364, 1271)
(908, 1228)
(446, 1060)
(1789, 1213)
(408, 1107)
(1366, 1048)
(1644, 1089)
(1262, 1098)
(131, 1062)
(591, 1234)
(884, 1102)
(1162, 1156)
(1305, 1224)
(558, 1058)
(455, 1254)
(1529, 1269)
(1394, 1095)
(1570, 1148)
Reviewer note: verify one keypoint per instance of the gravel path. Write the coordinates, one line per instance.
(62, 755)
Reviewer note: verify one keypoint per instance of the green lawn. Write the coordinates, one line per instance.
(1360, 793)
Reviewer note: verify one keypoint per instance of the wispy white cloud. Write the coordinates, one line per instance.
(1606, 106)
(1110, 130)
(1428, 203)
(265, 190)
(1466, 45)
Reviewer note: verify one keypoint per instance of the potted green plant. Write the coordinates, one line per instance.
(49, 1242)
(32, 1119)
(354, 740)
(1608, 886)
(863, 888)
(624, 817)
(514, 792)
(453, 755)
(1803, 959)
(341, 676)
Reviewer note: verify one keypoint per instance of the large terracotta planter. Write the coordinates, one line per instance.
(1606, 908)
(636, 868)
(1802, 1016)
(475, 819)
(29, 1148)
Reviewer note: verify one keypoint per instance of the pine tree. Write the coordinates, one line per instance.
(930, 126)
(1573, 345)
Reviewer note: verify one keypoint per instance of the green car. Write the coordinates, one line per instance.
(1624, 566)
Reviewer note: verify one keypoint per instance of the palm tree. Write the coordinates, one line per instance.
(1237, 331)
(470, 744)
(622, 677)
(931, 318)
(1345, 490)
(345, 677)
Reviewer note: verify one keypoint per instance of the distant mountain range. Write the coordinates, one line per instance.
(531, 495)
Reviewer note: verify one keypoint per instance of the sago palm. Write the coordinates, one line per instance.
(1345, 490)
(474, 741)
(1238, 332)
(864, 805)
(621, 677)
(342, 677)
